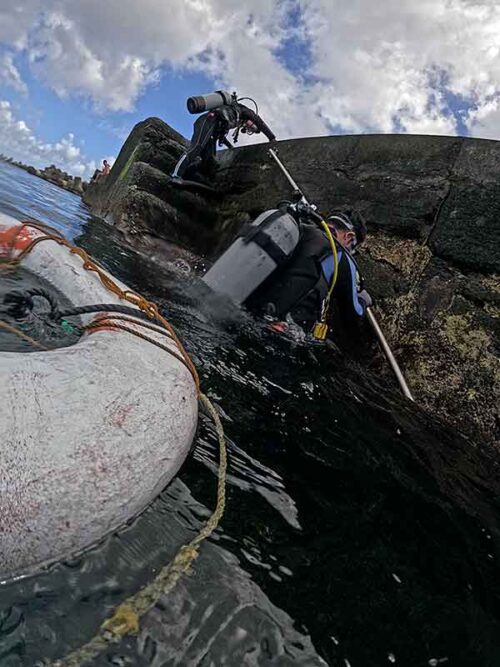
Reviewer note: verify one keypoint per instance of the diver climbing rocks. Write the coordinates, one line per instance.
(298, 292)
(294, 244)
(289, 267)
(290, 264)
(223, 112)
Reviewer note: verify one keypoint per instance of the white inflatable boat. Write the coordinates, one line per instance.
(90, 433)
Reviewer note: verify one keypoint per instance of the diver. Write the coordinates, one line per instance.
(224, 112)
(297, 269)
(296, 294)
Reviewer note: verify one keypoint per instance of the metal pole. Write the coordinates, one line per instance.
(280, 164)
(388, 353)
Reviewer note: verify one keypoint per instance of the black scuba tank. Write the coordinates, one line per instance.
(265, 245)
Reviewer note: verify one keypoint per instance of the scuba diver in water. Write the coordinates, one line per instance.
(224, 112)
(297, 269)
(298, 293)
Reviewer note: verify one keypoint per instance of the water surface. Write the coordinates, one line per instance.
(359, 530)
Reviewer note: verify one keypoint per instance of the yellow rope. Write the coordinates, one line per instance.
(125, 619)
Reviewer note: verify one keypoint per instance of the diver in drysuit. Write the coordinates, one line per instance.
(224, 112)
(296, 293)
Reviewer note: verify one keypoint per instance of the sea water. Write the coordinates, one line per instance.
(359, 530)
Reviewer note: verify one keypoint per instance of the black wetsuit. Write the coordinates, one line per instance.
(211, 128)
(301, 286)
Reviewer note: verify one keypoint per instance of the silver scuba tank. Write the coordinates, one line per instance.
(266, 244)
(201, 103)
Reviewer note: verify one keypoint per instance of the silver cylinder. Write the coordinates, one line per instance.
(202, 103)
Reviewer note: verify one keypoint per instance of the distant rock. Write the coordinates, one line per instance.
(78, 185)
(431, 261)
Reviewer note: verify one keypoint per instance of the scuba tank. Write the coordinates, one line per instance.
(201, 103)
(265, 244)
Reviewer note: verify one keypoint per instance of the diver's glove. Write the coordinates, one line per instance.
(365, 298)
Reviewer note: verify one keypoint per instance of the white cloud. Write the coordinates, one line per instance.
(485, 119)
(61, 58)
(399, 58)
(110, 51)
(9, 74)
(381, 67)
(17, 140)
(16, 21)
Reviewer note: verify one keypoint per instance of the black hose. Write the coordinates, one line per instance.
(21, 303)
(240, 99)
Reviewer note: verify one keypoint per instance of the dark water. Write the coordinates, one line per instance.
(34, 321)
(358, 531)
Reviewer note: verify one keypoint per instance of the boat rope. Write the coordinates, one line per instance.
(148, 307)
(153, 327)
(97, 308)
(105, 323)
(126, 617)
(20, 302)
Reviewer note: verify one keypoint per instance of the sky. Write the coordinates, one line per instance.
(76, 75)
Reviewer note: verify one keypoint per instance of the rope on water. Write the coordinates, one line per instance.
(126, 617)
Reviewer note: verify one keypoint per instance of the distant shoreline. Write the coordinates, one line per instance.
(52, 174)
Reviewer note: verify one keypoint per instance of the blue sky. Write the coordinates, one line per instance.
(100, 133)
(103, 132)
(76, 76)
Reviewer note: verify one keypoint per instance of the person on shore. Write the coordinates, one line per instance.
(296, 295)
(101, 173)
(211, 129)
